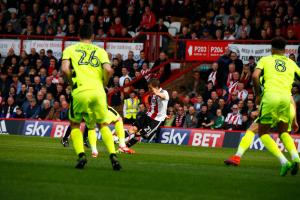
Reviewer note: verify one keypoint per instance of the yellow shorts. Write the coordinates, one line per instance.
(112, 115)
(90, 106)
(274, 108)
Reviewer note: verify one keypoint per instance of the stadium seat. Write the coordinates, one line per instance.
(133, 34)
(172, 31)
(167, 24)
(176, 25)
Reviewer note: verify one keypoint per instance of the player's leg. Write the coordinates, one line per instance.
(289, 144)
(272, 147)
(85, 137)
(119, 127)
(136, 129)
(99, 106)
(244, 145)
(288, 141)
(77, 139)
(92, 137)
(77, 106)
(65, 140)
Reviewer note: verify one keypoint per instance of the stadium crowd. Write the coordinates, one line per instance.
(31, 85)
(218, 19)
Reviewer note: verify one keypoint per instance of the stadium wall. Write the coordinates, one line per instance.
(167, 135)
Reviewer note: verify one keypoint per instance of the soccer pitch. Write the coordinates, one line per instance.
(40, 168)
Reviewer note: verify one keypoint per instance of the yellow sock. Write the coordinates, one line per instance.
(93, 139)
(245, 143)
(108, 139)
(290, 146)
(120, 133)
(77, 139)
(271, 145)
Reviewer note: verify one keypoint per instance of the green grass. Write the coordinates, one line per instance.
(40, 168)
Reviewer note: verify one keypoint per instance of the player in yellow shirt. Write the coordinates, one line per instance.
(278, 75)
(248, 138)
(85, 65)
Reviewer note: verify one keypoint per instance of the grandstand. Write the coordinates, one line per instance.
(203, 53)
(33, 37)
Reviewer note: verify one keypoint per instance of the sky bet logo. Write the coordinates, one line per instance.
(37, 128)
(174, 136)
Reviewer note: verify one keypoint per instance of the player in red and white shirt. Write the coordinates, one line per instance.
(234, 119)
(147, 124)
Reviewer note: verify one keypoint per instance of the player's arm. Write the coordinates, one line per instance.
(256, 75)
(294, 120)
(107, 73)
(65, 66)
(256, 84)
(106, 66)
(160, 94)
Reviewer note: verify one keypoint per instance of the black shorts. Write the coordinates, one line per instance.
(147, 126)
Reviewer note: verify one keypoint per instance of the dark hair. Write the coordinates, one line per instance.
(86, 32)
(154, 82)
(278, 43)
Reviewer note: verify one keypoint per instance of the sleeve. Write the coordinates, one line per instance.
(227, 118)
(260, 64)
(66, 54)
(103, 56)
(240, 120)
(166, 94)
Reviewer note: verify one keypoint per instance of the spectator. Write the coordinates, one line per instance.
(241, 92)
(141, 82)
(233, 86)
(54, 112)
(125, 74)
(181, 44)
(166, 68)
(244, 27)
(198, 103)
(9, 109)
(170, 117)
(127, 89)
(129, 62)
(191, 118)
(124, 33)
(130, 108)
(148, 20)
(204, 118)
(219, 120)
(173, 99)
(233, 120)
(21, 97)
(46, 107)
(142, 59)
(238, 62)
(131, 19)
(146, 71)
(33, 110)
(197, 85)
(63, 115)
(179, 117)
(160, 26)
(19, 113)
(117, 26)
